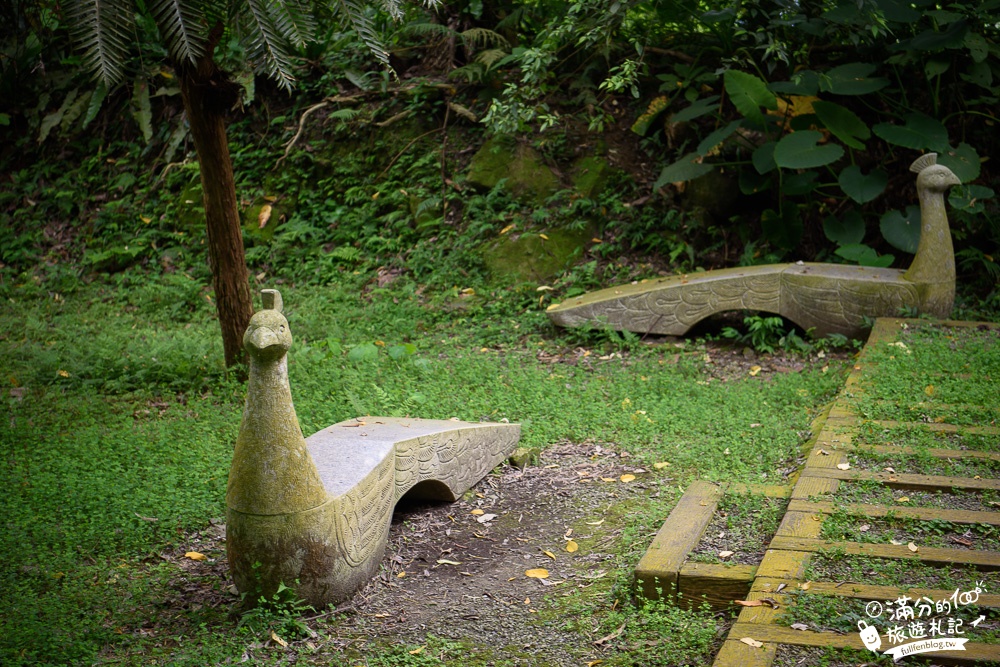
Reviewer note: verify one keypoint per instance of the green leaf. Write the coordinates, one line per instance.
(141, 110)
(851, 79)
(96, 100)
(862, 188)
(899, 12)
(653, 111)
(964, 161)
(980, 74)
(748, 94)
(800, 150)
(902, 231)
(751, 182)
(805, 82)
(978, 47)
(933, 40)
(716, 138)
(936, 67)
(363, 352)
(864, 255)
(798, 184)
(843, 123)
(397, 352)
(684, 169)
(763, 158)
(920, 132)
(74, 111)
(56, 117)
(849, 230)
(783, 229)
(970, 198)
(4, 119)
(697, 109)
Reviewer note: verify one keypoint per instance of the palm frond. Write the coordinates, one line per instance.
(101, 28)
(354, 13)
(295, 21)
(267, 45)
(181, 28)
(480, 37)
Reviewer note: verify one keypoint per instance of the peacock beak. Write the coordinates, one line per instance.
(953, 180)
(263, 338)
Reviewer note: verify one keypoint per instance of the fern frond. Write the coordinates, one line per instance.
(425, 28)
(513, 20)
(479, 37)
(490, 57)
(101, 28)
(181, 28)
(266, 42)
(472, 73)
(393, 8)
(354, 13)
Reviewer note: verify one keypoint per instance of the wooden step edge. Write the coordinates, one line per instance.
(938, 453)
(984, 560)
(658, 569)
(777, 634)
(770, 585)
(921, 513)
(939, 427)
(903, 480)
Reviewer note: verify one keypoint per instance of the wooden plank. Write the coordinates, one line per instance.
(781, 635)
(784, 563)
(800, 523)
(901, 480)
(658, 568)
(985, 560)
(767, 490)
(939, 427)
(868, 591)
(825, 457)
(809, 486)
(716, 584)
(936, 453)
(735, 653)
(923, 513)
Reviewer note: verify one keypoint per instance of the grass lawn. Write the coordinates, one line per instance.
(120, 426)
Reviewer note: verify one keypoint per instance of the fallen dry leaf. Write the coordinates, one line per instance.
(417, 650)
(572, 546)
(613, 635)
(478, 512)
(799, 626)
(550, 554)
(725, 554)
(961, 540)
(194, 555)
(889, 469)
(903, 499)
(823, 452)
(445, 561)
(844, 466)
(660, 465)
(749, 641)
(748, 603)
(263, 217)
(864, 528)
(627, 478)
(806, 585)
(754, 370)
(595, 523)
(913, 547)
(537, 573)
(486, 517)
(278, 639)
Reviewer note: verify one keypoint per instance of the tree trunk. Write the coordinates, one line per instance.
(207, 97)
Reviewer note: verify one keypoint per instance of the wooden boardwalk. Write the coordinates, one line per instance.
(759, 631)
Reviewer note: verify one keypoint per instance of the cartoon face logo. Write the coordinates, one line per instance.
(869, 635)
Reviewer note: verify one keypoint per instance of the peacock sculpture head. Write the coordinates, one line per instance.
(268, 337)
(932, 176)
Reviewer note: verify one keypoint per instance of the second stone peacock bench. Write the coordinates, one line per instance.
(314, 513)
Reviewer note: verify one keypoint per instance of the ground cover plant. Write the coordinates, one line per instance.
(742, 526)
(122, 422)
